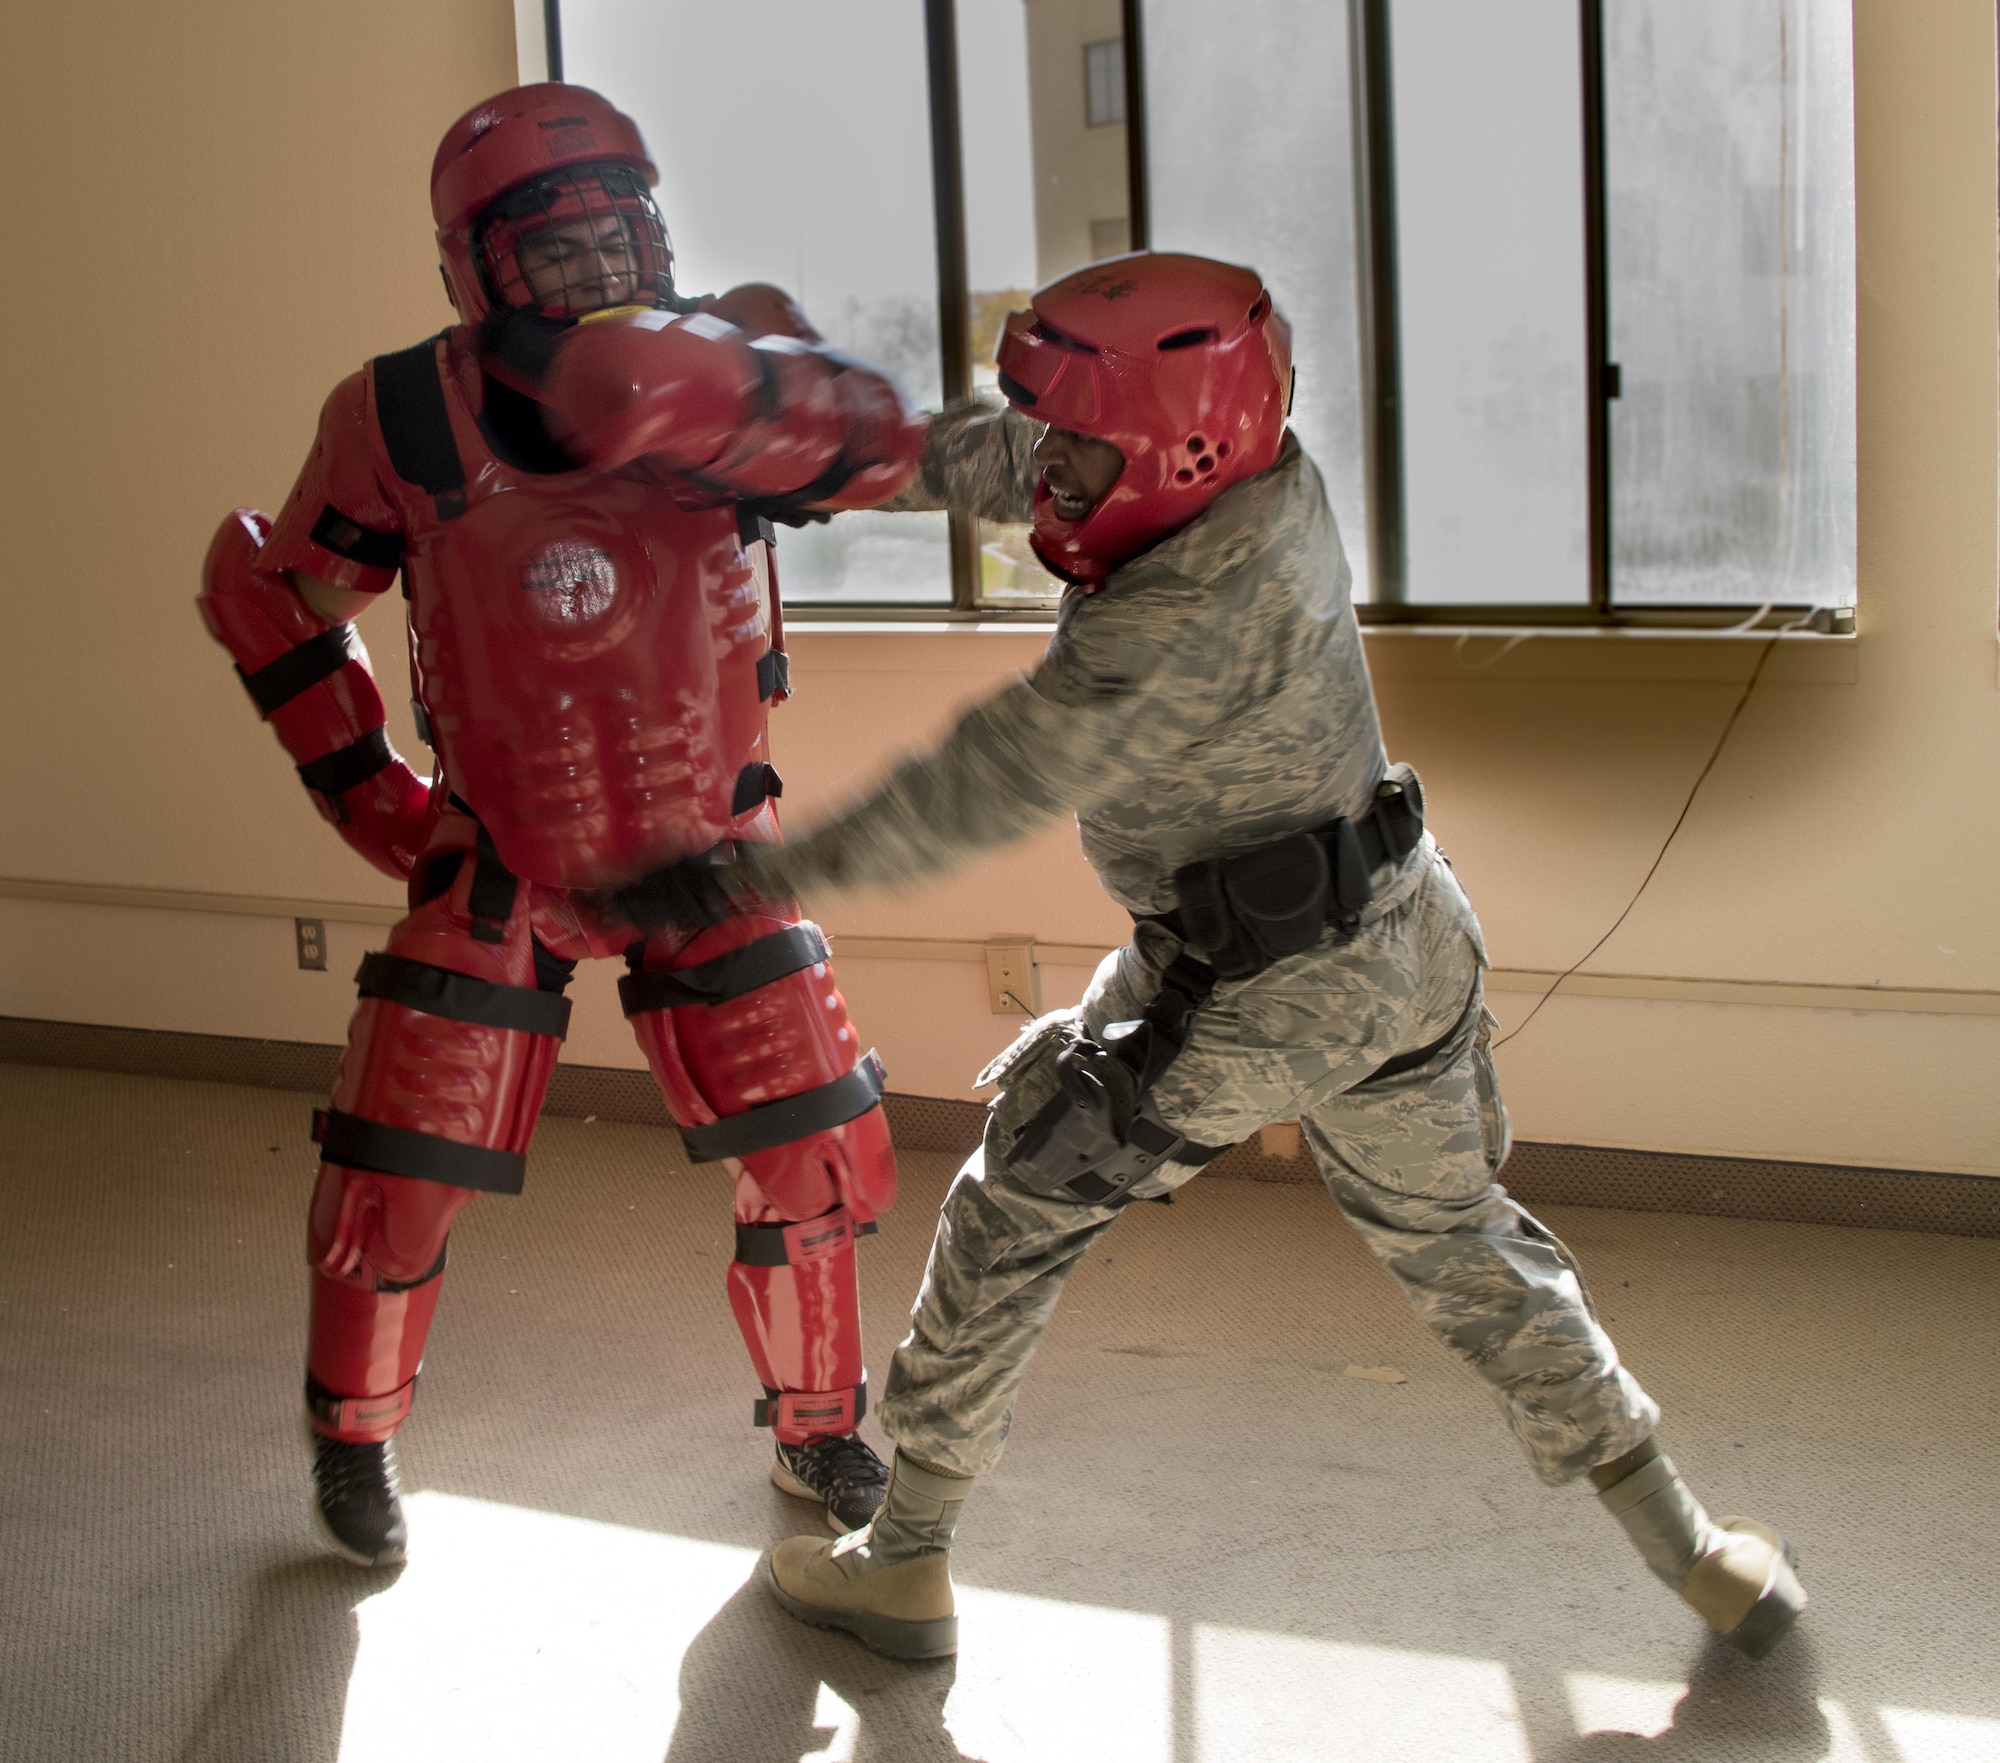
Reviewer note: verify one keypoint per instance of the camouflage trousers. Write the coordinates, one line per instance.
(1409, 1157)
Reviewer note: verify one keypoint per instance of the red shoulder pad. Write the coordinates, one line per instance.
(338, 523)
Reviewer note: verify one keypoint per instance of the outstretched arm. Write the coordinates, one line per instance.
(977, 459)
(1117, 695)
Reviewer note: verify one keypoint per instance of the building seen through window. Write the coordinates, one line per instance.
(1104, 82)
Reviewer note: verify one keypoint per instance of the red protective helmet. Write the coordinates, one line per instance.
(529, 157)
(1182, 363)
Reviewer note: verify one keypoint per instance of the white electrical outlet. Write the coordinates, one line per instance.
(1013, 981)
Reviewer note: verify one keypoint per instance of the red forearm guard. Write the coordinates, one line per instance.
(310, 681)
(773, 417)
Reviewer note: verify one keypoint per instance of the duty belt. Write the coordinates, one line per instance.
(1243, 912)
(1101, 1131)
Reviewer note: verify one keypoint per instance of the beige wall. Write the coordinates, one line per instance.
(1848, 837)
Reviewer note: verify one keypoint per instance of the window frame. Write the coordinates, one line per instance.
(1371, 110)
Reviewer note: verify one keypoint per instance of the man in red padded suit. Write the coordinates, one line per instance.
(577, 482)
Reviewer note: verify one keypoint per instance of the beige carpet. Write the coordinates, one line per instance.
(1208, 1544)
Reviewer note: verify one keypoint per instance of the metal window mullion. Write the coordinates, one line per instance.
(954, 295)
(1597, 305)
(552, 55)
(1138, 202)
(1372, 101)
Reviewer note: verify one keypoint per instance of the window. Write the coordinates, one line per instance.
(1104, 82)
(1572, 284)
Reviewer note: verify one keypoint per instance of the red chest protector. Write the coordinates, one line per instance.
(593, 649)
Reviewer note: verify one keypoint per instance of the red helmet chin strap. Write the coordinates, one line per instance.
(1180, 362)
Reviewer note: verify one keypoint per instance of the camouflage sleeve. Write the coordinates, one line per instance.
(977, 460)
(1127, 684)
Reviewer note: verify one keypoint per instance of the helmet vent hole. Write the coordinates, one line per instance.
(1222, 449)
(1188, 339)
(1205, 463)
(1196, 444)
(1183, 476)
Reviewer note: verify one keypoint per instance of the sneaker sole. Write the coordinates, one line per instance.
(787, 1483)
(890, 1636)
(347, 1551)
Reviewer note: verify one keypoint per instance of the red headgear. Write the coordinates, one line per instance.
(1182, 363)
(528, 157)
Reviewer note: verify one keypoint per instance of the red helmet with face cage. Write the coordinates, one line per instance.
(1182, 363)
(532, 159)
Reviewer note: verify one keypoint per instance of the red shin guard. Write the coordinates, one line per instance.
(796, 1298)
(365, 1349)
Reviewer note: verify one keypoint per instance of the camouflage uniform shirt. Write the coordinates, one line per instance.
(1211, 697)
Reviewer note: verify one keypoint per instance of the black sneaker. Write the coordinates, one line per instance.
(355, 1501)
(842, 1474)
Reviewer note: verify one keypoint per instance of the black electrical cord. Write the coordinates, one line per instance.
(1680, 820)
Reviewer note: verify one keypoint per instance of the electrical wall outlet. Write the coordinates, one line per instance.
(311, 935)
(1013, 981)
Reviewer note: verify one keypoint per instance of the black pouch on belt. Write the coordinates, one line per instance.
(1279, 894)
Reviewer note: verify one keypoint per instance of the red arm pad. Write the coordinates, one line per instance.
(310, 681)
(772, 418)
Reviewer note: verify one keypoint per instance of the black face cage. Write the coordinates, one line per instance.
(578, 193)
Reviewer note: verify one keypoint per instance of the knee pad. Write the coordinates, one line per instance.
(794, 1291)
(750, 1040)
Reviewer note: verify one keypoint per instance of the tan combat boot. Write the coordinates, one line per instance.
(1736, 1574)
(889, 1584)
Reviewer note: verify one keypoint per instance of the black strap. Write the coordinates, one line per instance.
(491, 897)
(368, 546)
(764, 1245)
(783, 952)
(422, 1279)
(278, 682)
(765, 1412)
(774, 673)
(347, 766)
(416, 426)
(1422, 1055)
(439, 991)
(396, 1150)
(794, 1117)
(755, 783)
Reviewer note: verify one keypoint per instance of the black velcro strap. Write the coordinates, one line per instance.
(795, 1117)
(438, 991)
(278, 682)
(752, 526)
(347, 766)
(774, 673)
(762, 1245)
(416, 426)
(783, 952)
(491, 897)
(755, 784)
(396, 1150)
(366, 545)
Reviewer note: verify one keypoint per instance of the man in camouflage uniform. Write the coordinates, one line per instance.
(1205, 695)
